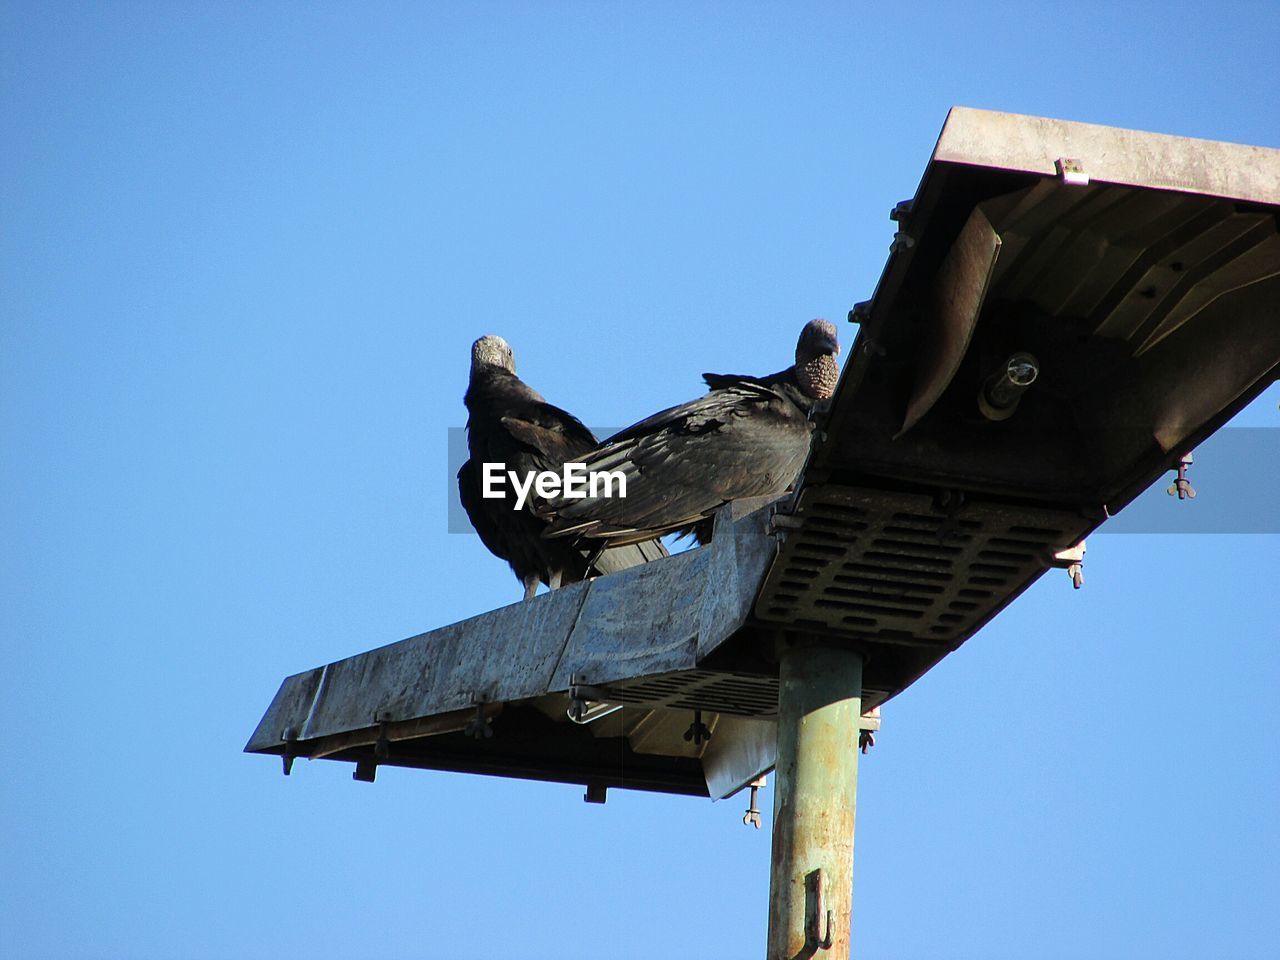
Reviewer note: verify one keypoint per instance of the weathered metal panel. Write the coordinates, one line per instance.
(623, 634)
(707, 595)
(743, 551)
(607, 629)
(738, 752)
(958, 293)
(288, 710)
(1013, 141)
(431, 673)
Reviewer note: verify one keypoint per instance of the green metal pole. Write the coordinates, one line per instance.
(815, 796)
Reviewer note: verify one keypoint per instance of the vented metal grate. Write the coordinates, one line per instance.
(895, 567)
(737, 694)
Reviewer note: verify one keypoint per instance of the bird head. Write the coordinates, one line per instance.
(816, 351)
(491, 351)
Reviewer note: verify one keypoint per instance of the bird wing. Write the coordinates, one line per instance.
(720, 381)
(492, 534)
(550, 436)
(682, 464)
(511, 423)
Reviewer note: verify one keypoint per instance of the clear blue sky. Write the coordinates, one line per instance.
(244, 249)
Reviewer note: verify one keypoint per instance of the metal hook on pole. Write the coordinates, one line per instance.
(814, 938)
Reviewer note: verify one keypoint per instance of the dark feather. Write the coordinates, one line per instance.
(748, 437)
(683, 464)
(511, 424)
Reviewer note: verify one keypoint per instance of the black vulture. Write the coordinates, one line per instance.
(509, 423)
(748, 437)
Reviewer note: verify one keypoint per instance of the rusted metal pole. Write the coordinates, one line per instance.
(815, 795)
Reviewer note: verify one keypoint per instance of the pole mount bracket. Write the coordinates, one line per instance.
(815, 908)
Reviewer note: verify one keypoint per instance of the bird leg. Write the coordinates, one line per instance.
(530, 586)
(556, 576)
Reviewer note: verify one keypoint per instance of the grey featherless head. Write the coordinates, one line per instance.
(491, 351)
(816, 351)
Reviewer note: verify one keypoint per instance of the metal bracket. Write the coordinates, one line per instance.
(868, 724)
(1071, 170)
(949, 502)
(290, 739)
(478, 727)
(1072, 559)
(780, 524)
(596, 793)
(382, 746)
(587, 703)
(1181, 487)
(577, 701)
(752, 816)
(366, 771)
(814, 908)
(698, 731)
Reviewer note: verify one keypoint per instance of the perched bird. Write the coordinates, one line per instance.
(510, 423)
(748, 437)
